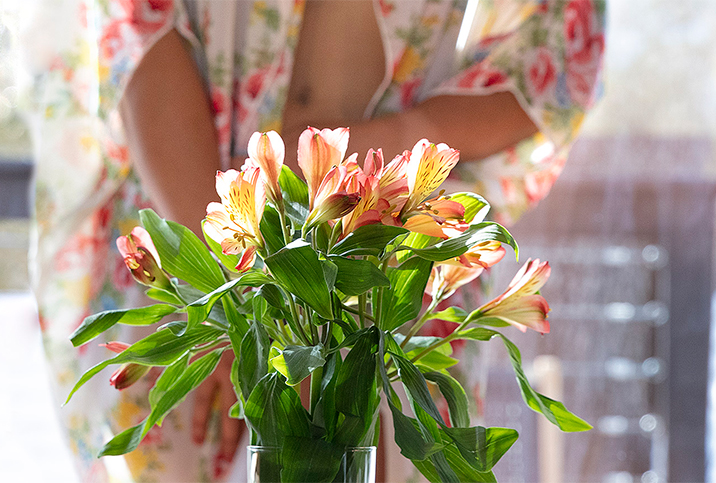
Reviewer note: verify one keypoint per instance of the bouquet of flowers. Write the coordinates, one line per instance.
(325, 280)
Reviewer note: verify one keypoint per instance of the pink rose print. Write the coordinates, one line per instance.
(584, 47)
(481, 75)
(542, 73)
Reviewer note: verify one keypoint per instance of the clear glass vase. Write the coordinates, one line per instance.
(266, 465)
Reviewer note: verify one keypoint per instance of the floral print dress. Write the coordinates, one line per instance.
(80, 56)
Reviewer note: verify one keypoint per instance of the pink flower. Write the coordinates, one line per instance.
(318, 152)
(127, 374)
(520, 305)
(332, 199)
(141, 258)
(268, 150)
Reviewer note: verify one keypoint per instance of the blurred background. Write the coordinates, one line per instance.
(628, 230)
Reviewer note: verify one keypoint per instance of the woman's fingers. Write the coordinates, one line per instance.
(203, 400)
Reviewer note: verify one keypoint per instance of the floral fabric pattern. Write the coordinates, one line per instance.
(546, 52)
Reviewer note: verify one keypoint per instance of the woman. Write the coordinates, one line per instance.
(141, 101)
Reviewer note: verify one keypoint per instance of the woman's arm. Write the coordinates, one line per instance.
(477, 126)
(173, 142)
(170, 132)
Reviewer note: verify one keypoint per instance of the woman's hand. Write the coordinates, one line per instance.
(217, 389)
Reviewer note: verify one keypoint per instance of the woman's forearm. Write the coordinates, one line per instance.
(170, 132)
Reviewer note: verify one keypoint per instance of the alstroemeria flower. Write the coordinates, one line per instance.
(127, 374)
(445, 279)
(484, 255)
(429, 165)
(268, 150)
(318, 152)
(440, 217)
(520, 305)
(141, 258)
(234, 223)
(332, 199)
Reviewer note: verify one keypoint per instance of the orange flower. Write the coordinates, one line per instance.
(332, 200)
(445, 279)
(520, 305)
(428, 166)
(234, 223)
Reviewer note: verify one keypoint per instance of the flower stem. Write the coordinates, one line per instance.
(358, 311)
(418, 325)
(316, 378)
(361, 309)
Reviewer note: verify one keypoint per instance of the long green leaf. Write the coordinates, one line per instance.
(254, 357)
(368, 240)
(161, 348)
(456, 246)
(485, 445)
(95, 324)
(295, 196)
(476, 207)
(297, 268)
(455, 397)
(408, 436)
(357, 276)
(404, 299)
(553, 410)
(298, 362)
(188, 380)
(275, 412)
(309, 459)
(181, 252)
(271, 229)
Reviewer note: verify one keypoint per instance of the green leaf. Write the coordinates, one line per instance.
(356, 378)
(229, 261)
(158, 349)
(414, 240)
(434, 361)
(403, 301)
(254, 357)
(408, 436)
(485, 445)
(456, 246)
(295, 196)
(181, 252)
(298, 362)
(297, 268)
(270, 227)
(465, 473)
(553, 410)
(451, 314)
(163, 296)
(476, 207)
(120, 444)
(170, 375)
(273, 296)
(95, 324)
(275, 412)
(368, 240)
(417, 387)
(200, 309)
(308, 459)
(357, 276)
(330, 272)
(188, 380)
(455, 397)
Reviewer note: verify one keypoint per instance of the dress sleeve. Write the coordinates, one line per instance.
(550, 59)
(127, 31)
